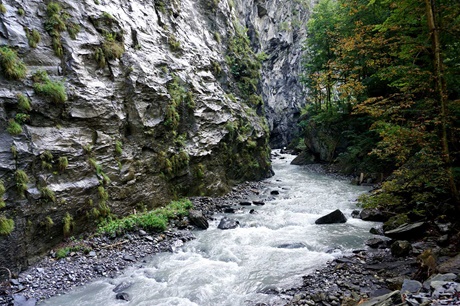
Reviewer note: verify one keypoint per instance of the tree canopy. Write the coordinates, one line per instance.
(393, 66)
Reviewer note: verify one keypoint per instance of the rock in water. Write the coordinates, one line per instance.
(196, 218)
(334, 217)
(123, 296)
(227, 223)
(122, 287)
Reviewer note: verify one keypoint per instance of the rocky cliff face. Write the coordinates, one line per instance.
(278, 29)
(134, 103)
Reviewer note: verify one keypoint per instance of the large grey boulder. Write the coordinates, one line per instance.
(196, 218)
(227, 223)
(407, 231)
(374, 214)
(334, 217)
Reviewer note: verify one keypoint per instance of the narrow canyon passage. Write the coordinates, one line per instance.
(272, 248)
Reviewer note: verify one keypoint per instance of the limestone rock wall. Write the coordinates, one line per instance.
(163, 120)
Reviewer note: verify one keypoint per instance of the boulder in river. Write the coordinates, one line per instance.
(407, 231)
(334, 217)
(196, 218)
(123, 296)
(226, 223)
(304, 158)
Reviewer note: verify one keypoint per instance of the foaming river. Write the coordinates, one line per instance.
(272, 249)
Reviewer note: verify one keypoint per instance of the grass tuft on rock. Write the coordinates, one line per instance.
(44, 86)
(11, 65)
(6, 226)
(155, 220)
(14, 128)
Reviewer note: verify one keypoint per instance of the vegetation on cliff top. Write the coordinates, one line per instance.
(386, 74)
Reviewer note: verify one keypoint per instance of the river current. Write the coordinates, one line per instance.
(271, 249)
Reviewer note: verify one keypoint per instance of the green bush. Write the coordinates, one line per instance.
(2, 193)
(99, 56)
(73, 29)
(46, 87)
(22, 118)
(68, 225)
(48, 194)
(156, 220)
(33, 37)
(11, 65)
(21, 11)
(63, 163)
(2, 8)
(174, 44)
(54, 25)
(21, 181)
(24, 103)
(118, 147)
(6, 226)
(112, 48)
(14, 128)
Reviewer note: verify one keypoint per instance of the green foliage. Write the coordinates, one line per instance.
(44, 86)
(2, 193)
(107, 15)
(14, 151)
(217, 37)
(22, 118)
(243, 62)
(372, 63)
(178, 96)
(118, 147)
(99, 56)
(21, 181)
(33, 36)
(63, 163)
(155, 220)
(68, 225)
(73, 29)
(6, 226)
(2, 8)
(62, 253)
(24, 103)
(174, 43)
(49, 222)
(14, 128)
(12, 67)
(54, 25)
(96, 2)
(113, 49)
(48, 194)
(21, 11)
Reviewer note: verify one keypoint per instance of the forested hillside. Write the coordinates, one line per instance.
(384, 97)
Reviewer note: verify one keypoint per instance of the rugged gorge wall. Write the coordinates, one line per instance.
(278, 28)
(153, 108)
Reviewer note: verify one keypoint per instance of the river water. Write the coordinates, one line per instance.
(272, 249)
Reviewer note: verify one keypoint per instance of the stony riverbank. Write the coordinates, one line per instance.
(102, 256)
(375, 277)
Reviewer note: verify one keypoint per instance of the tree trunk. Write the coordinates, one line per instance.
(441, 91)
